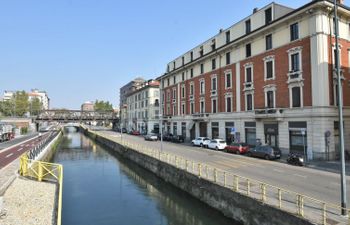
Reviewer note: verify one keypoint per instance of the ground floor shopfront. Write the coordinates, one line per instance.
(143, 126)
(309, 131)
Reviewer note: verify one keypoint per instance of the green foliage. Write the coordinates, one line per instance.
(35, 106)
(7, 108)
(24, 130)
(21, 103)
(103, 106)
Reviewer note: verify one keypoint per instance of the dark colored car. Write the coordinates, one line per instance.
(167, 137)
(124, 130)
(237, 148)
(266, 152)
(178, 139)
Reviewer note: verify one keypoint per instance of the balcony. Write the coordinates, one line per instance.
(268, 113)
(248, 86)
(294, 76)
(199, 117)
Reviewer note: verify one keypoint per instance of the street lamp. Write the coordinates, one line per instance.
(340, 111)
(161, 114)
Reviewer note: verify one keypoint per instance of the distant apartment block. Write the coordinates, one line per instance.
(34, 93)
(270, 77)
(87, 106)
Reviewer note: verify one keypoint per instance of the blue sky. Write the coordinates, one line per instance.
(79, 50)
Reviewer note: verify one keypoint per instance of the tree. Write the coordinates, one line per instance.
(7, 107)
(35, 106)
(21, 103)
(103, 106)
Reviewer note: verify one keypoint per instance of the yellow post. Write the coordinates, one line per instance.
(301, 205)
(235, 183)
(248, 187)
(24, 165)
(324, 214)
(224, 179)
(199, 170)
(176, 162)
(215, 175)
(279, 198)
(263, 192)
(186, 162)
(40, 171)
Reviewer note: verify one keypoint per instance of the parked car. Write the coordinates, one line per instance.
(201, 141)
(217, 144)
(266, 152)
(178, 139)
(151, 137)
(167, 137)
(238, 148)
(135, 132)
(124, 130)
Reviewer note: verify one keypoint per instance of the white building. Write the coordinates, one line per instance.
(8, 95)
(42, 96)
(143, 108)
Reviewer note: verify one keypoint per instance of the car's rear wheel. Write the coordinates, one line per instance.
(249, 154)
(237, 152)
(201, 145)
(267, 157)
(216, 148)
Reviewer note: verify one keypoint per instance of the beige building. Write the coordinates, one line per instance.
(87, 106)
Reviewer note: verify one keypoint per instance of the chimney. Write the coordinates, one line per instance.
(255, 10)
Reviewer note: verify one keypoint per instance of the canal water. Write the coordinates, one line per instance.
(100, 188)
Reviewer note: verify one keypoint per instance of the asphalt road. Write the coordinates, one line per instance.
(15, 141)
(12, 153)
(321, 185)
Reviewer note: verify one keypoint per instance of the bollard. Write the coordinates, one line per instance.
(248, 187)
(279, 198)
(300, 205)
(215, 175)
(263, 192)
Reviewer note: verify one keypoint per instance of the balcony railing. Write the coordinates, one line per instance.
(268, 112)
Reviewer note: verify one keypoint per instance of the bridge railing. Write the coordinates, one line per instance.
(44, 171)
(309, 208)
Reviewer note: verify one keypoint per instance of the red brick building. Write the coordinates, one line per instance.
(269, 77)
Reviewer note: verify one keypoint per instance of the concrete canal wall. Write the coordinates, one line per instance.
(233, 205)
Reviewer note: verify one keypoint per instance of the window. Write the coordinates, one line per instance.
(202, 68)
(213, 64)
(228, 58)
(174, 79)
(156, 102)
(192, 107)
(183, 109)
(183, 91)
(213, 45)
(191, 72)
(228, 104)
(269, 70)
(295, 63)
(191, 55)
(247, 26)
(268, 40)
(202, 86)
(183, 60)
(213, 105)
(191, 89)
(183, 76)
(248, 74)
(201, 51)
(168, 68)
(296, 97)
(227, 37)
(294, 32)
(174, 94)
(168, 97)
(249, 102)
(248, 50)
(270, 99)
(202, 106)
(174, 65)
(213, 84)
(168, 81)
(174, 110)
(268, 16)
(228, 80)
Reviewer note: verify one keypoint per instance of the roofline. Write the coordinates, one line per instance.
(253, 32)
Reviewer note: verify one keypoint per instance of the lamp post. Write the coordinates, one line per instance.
(340, 111)
(161, 114)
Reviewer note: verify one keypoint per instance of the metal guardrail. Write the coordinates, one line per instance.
(44, 171)
(306, 207)
(36, 150)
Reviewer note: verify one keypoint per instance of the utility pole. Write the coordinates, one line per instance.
(161, 114)
(340, 109)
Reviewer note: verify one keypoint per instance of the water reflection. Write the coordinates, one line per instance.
(101, 188)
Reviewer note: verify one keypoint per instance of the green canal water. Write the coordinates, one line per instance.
(100, 188)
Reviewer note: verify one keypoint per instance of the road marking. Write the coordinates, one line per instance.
(9, 155)
(19, 149)
(280, 171)
(298, 175)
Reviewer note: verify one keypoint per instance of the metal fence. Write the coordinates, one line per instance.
(44, 171)
(314, 210)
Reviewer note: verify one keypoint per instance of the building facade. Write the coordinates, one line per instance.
(125, 91)
(143, 108)
(42, 96)
(268, 78)
(87, 106)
